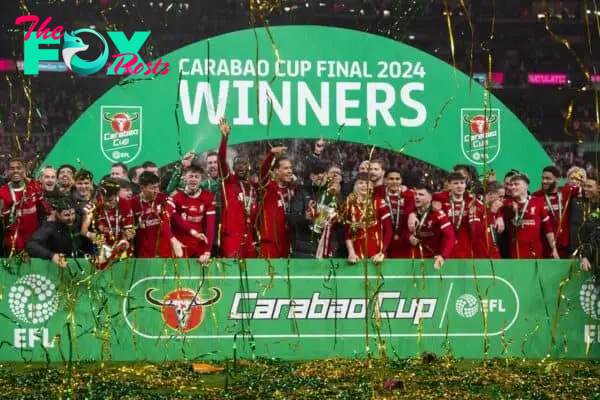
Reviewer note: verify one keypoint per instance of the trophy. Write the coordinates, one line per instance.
(324, 212)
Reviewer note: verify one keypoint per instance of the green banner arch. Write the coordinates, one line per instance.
(302, 82)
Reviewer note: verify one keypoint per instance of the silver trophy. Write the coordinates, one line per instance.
(324, 214)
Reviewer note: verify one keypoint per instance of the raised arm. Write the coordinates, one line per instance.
(267, 164)
(175, 180)
(222, 157)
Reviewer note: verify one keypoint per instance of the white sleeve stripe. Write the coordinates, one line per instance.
(545, 219)
(210, 212)
(385, 216)
(445, 225)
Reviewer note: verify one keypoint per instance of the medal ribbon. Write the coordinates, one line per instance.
(519, 218)
(13, 208)
(247, 199)
(395, 216)
(116, 221)
(460, 213)
(285, 204)
(492, 231)
(549, 203)
(142, 210)
(422, 221)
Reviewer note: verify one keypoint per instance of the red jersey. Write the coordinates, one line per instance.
(486, 246)
(528, 223)
(193, 212)
(559, 209)
(276, 201)
(380, 191)
(368, 226)
(240, 211)
(153, 234)
(466, 216)
(20, 212)
(436, 236)
(399, 207)
(112, 223)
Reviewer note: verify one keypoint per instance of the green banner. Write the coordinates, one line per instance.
(301, 309)
(291, 83)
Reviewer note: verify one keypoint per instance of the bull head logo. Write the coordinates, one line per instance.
(480, 124)
(121, 122)
(183, 309)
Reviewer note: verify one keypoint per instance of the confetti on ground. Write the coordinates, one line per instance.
(426, 378)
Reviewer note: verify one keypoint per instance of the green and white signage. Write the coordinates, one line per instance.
(301, 309)
(308, 82)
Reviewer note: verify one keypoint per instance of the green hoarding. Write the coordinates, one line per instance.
(353, 86)
(301, 309)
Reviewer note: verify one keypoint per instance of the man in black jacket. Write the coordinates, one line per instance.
(308, 227)
(585, 226)
(58, 239)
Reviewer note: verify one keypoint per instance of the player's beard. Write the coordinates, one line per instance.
(551, 187)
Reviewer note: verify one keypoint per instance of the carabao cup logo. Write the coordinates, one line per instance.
(589, 298)
(33, 299)
(74, 45)
(183, 309)
(121, 122)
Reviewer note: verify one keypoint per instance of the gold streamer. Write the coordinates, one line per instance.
(450, 37)
(492, 34)
(562, 40)
(568, 118)
(109, 25)
(561, 287)
(469, 22)
(366, 284)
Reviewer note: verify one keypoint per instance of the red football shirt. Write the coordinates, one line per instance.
(559, 210)
(153, 232)
(466, 217)
(112, 223)
(529, 222)
(399, 207)
(436, 236)
(486, 246)
(275, 241)
(20, 212)
(240, 211)
(193, 212)
(368, 226)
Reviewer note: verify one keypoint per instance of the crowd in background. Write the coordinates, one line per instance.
(59, 98)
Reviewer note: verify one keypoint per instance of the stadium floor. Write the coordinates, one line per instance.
(425, 378)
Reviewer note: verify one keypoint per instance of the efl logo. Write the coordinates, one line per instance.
(183, 309)
(33, 300)
(128, 49)
(589, 299)
(467, 305)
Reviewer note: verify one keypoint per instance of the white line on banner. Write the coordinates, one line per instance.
(446, 305)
